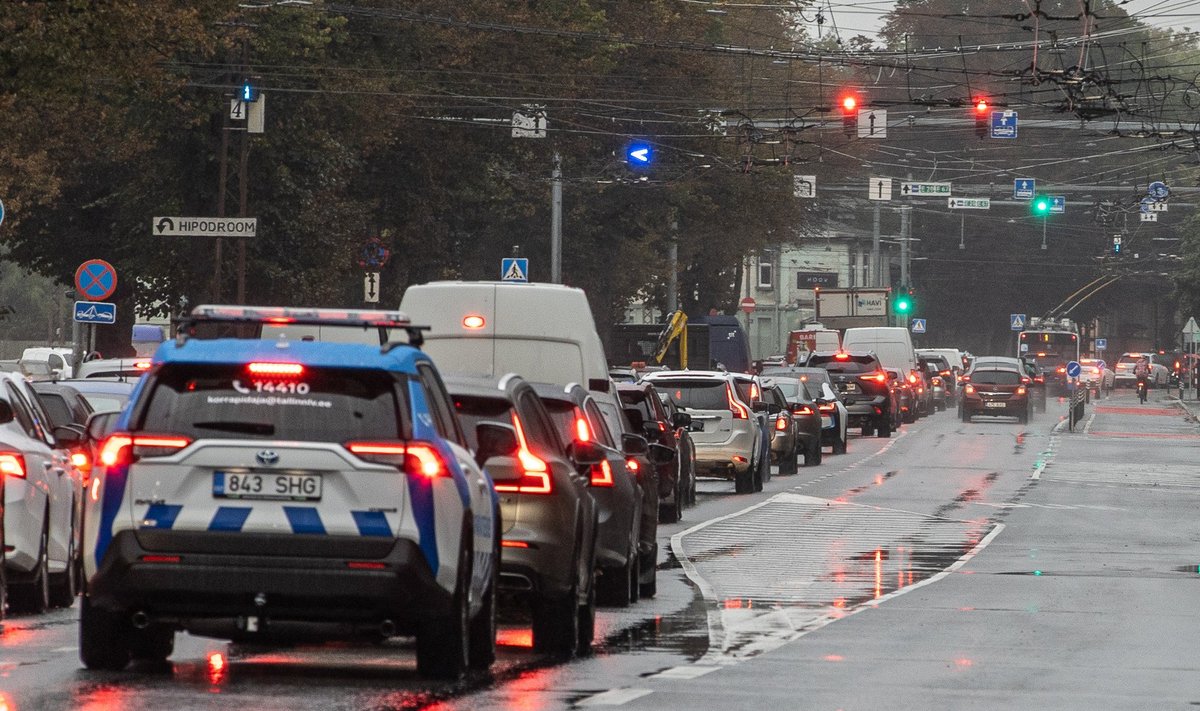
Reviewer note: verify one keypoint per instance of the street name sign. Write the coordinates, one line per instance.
(937, 189)
(204, 226)
(961, 203)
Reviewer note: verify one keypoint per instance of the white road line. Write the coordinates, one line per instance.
(615, 697)
(694, 671)
(63, 650)
(1087, 427)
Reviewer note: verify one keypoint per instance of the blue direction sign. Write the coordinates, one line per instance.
(1158, 190)
(1, 212)
(95, 312)
(1024, 188)
(514, 269)
(1101, 344)
(918, 325)
(1058, 204)
(1073, 369)
(1016, 322)
(1004, 124)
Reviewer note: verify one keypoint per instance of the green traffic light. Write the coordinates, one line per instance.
(903, 304)
(1041, 206)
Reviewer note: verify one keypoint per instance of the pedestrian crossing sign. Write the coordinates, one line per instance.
(918, 325)
(1017, 322)
(514, 269)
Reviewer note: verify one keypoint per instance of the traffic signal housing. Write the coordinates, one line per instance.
(982, 116)
(249, 91)
(639, 154)
(1040, 205)
(902, 305)
(849, 105)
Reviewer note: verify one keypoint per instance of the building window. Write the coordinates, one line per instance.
(766, 275)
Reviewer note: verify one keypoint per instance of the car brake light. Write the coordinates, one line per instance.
(12, 464)
(936, 380)
(1060, 369)
(662, 426)
(116, 450)
(602, 474)
(535, 477)
(1021, 390)
(415, 458)
(970, 390)
(583, 432)
(781, 422)
(912, 378)
(473, 321)
(945, 373)
(141, 364)
(829, 407)
(632, 465)
(802, 410)
(1039, 379)
(841, 356)
(275, 368)
(739, 410)
(123, 448)
(878, 376)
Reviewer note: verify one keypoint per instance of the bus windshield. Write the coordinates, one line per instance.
(1048, 348)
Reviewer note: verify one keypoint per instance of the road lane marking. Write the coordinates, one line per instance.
(615, 697)
(694, 671)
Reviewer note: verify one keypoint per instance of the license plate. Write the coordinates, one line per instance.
(993, 404)
(267, 487)
(849, 388)
(826, 422)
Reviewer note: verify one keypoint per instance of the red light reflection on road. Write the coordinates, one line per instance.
(737, 603)
(218, 667)
(522, 637)
(16, 636)
(6, 704)
(878, 573)
(834, 658)
(105, 698)
(964, 663)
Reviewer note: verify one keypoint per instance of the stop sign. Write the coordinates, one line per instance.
(748, 304)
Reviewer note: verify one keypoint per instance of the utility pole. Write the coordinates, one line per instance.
(673, 269)
(243, 186)
(222, 187)
(556, 221)
(904, 247)
(876, 276)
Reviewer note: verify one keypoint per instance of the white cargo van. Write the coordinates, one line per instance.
(891, 344)
(543, 332)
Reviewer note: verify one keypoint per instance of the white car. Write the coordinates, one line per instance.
(1126, 363)
(42, 492)
(266, 490)
(1097, 374)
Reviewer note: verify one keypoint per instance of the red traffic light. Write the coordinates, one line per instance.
(981, 105)
(849, 103)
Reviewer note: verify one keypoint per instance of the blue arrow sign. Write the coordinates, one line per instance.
(1073, 369)
(918, 325)
(1017, 322)
(1101, 344)
(639, 154)
(1004, 124)
(95, 312)
(514, 269)
(1058, 204)
(1024, 188)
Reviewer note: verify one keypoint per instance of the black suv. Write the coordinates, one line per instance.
(863, 384)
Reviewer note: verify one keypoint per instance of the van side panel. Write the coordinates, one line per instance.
(893, 345)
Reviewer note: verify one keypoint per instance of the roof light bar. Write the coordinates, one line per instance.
(301, 315)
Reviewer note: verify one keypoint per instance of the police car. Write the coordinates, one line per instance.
(290, 489)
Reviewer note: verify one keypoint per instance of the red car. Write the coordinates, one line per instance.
(996, 388)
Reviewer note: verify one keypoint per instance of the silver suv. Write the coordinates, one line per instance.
(725, 428)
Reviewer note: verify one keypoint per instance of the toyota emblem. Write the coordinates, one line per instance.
(267, 457)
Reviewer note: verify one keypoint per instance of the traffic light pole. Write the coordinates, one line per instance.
(1044, 231)
(556, 221)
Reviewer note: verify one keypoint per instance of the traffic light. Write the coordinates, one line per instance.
(1040, 205)
(249, 91)
(1116, 244)
(849, 115)
(982, 116)
(903, 304)
(639, 154)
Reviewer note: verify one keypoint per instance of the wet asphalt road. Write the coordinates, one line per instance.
(981, 565)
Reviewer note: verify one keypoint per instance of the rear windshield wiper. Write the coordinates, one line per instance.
(257, 428)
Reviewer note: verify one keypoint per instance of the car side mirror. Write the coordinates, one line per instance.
(774, 408)
(6, 412)
(661, 454)
(761, 406)
(634, 445)
(695, 426)
(650, 430)
(636, 419)
(99, 424)
(495, 440)
(681, 419)
(585, 454)
(892, 375)
(69, 436)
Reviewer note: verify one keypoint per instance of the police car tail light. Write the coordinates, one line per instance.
(141, 364)
(12, 464)
(117, 450)
(415, 458)
(276, 369)
(602, 474)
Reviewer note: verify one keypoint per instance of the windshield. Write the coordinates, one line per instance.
(849, 366)
(995, 377)
(319, 405)
(695, 394)
(1048, 347)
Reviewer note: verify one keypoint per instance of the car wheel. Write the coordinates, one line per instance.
(966, 415)
(153, 644)
(34, 595)
(65, 585)
(3, 570)
(103, 638)
(443, 644)
(839, 445)
(790, 464)
(648, 588)
(812, 454)
(587, 617)
(884, 429)
(556, 620)
(673, 511)
(743, 482)
(762, 472)
(482, 651)
(635, 574)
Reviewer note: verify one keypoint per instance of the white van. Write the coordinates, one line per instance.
(891, 344)
(543, 332)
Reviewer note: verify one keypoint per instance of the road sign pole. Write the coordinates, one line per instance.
(1043, 232)
(556, 221)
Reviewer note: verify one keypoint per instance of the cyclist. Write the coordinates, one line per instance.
(1141, 371)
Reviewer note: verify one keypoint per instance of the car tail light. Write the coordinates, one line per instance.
(535, 477)
(662, 426)
(964, 378)
(1097, 370)
(944, 373)
(81, 461)
(124, 448)
(841, 356)
(1025, 380)
(781, 422)
(740, 411)
(912, 378)
(878, 376)
(277, 369)
(141, 364)
(802, 410)
(829, 407)
(12, 464)
(1039, 379)
(970, 390)
(602, 474)
(1060, 369)
(632, 465)
(415, 458)
(583, 431)
(936, 380)
(1021, 390)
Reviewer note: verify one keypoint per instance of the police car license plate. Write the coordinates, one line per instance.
(994, 404)
(268, 487)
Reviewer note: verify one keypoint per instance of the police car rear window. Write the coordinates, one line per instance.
(314, 404)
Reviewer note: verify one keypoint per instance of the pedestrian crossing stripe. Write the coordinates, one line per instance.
(514, 269)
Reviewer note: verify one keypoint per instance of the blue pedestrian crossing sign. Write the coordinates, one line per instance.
(1024, 188)
(918, 325)
(1017, 322)
(514, 269)
(1101, 344)
(1004, 124)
